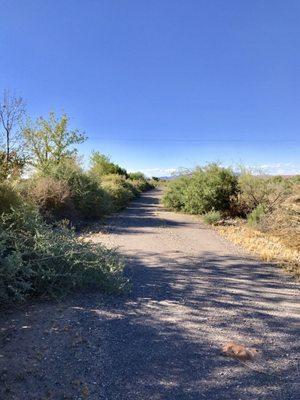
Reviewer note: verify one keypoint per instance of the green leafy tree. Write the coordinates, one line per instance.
(101, 165)
(51, 140)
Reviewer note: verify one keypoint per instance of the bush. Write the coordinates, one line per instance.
(264, 190)
(175, 196)
(89, 198)
(8, 197)
(119, 189)
(101, 165)
(86, 198)
(52, 197)
(36, 259)
(206, 189)
(140, 185)
(256, 216)
(210, 188)
(212, 217)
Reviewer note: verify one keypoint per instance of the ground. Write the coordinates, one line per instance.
(192, 291)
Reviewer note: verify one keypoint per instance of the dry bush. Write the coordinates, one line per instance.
(52, 196)
(284, 220)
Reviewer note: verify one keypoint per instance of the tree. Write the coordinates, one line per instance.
(12, 111)
(101, 165)
(50, 141)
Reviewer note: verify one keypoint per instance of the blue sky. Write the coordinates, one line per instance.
(163, 84)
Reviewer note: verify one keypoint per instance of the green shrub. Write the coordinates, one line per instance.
(212, 217)
(89, 198)
(256, 216)
(119, 189)
(210, 188)
(175, 195)
(36, 259)
(140, 185)
(206, 189)
(101, 165)
(8, 197)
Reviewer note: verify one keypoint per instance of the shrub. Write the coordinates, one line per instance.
(206, 189)
(175, 196)
(52, 196)
(265, 190)
(36, 259)
(256, 216)
(8, 197)
(212, 217)
(210, 188)
(89, 198)
(119, 190)
(101, 165)
(140, 185)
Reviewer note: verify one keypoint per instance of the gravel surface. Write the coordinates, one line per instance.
(192, 291)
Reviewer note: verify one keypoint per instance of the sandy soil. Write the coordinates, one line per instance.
(192, 291)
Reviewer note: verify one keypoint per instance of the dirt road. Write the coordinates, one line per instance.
(191, 292)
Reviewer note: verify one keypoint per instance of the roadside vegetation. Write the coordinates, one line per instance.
(259, 212)
(44, 193)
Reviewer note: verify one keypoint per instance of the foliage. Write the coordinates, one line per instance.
(265, 190)
(255, 217)
(38, 260)
(212, 217)
(175, 195)
(119, 190)
(52, 196)
(9, 197)
(137, 176)
(49, 141)
(87, 199)
(11, 167)
(101, 165)
(206, 189)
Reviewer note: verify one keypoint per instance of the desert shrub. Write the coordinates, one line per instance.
(8, 197)
(175, 195)
(36, 259)
(101, 165)
(137, 176)
(210, 188)
(52, 196)
(119, 189)
(140, 185)
(206, 189)
(265, 190)
(89, 198)
(256, 216)
(212, 217)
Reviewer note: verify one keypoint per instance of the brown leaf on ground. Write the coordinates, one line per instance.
(239, 351)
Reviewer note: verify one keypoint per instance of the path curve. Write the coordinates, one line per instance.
(191, 292)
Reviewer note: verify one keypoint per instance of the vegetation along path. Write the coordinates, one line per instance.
(191, 292)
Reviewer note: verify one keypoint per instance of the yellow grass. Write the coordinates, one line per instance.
(264, 245)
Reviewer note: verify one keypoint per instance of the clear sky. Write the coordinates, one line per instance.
(163, 84)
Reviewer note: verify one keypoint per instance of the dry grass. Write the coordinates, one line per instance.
(265, 245)
(277, 236)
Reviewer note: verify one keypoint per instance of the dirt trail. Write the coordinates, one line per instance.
(192, 291)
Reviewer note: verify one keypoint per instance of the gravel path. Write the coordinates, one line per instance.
(191, 292)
